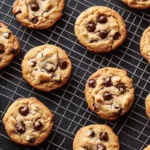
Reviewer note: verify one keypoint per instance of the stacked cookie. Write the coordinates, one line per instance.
(109, 91)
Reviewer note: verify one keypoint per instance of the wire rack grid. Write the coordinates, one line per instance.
(68, 103)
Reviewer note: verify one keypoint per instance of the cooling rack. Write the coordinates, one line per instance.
(68, 103)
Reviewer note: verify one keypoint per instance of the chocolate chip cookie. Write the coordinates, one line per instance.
(96, 137)
(46, 67)
(147, 105)
(28, 122)
(9, 46)
(138, 4)
(109, 93)
(38, 14)
(100, 29)
(145, 44)
(147, 148)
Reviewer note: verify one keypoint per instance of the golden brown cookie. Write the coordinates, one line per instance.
(109, 93)
(100, 29)
(147, 148)
(147, 105)
(138, 4)
(38, 14)
(28, 122)
(145, 44)
(96, 137)
(46, 67)
(9, 46)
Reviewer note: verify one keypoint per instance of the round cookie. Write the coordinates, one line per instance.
(145, 44)
(96, 137)
(147, 105)
(46, 67)
(28, 122)
(147, 148)
(109, 93)
(138, 4)
(100, 29)
(38, 14)
(9, 46)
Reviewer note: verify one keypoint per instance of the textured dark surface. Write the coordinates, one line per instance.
(68, 103)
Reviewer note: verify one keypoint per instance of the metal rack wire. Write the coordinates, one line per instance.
(68, 103)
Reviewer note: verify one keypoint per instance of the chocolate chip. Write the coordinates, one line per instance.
(6, 35)
(91, 26)
(38, 125)
(101, 147)
(92, 83)
(49, 67)
(103, 34)
(18, 12)
(34, 20)
(24, 110)
(34, 6)
(107, 82)
(121, 87)
(116, 36)
(33, 62)
(14, 51)
(31, 140)
(63, 64)
(20, 127)
(2, 49)
(104, 136)
(102, 19)
(85, 148)
(92, 133)
(93, 41)
(107, 96)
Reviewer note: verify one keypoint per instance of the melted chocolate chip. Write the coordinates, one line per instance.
(107, 82)
(91, 26)
(85, 148)
(107, 96)
(101, 147)
(92, 83)
(92, 133)
(63, 64)
(121, 87)
(24, 110)
(34, 6)
(14, 51)
(18, 12)
(102, 19)
(31, 140)
(103, 34)
(116, 36)
(2, 49)
(37, 125)
(33, 62)
(49, 67)
(93, 41)
(34, 20)
(6, 35)
(20, 127)
(104, 136)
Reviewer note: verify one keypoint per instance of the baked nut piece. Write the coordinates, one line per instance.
(138, 4)
(147, 105)
(109, 93)
(46, 67)
(38, 14)
(145, 44)
(28, 122)
(96, 137)
(100, 29)
(9, 46)
(147, 148)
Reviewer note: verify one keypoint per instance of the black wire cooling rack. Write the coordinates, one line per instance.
(68, 103)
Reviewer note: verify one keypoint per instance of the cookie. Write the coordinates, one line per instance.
(147, 148)
(96, 137)
(46, 67)
(138, 4)
(28, 122)
(38, 14)
(9, 46)
(145, 44)
(100, 29)
(147, 105)
(109, 93)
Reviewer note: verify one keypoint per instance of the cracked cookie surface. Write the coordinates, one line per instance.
(147, 105)
(46, 67)
(9, 46)
(28, 122)
(38, 14)
(96, 137)
(147, 148)
(109, 93)
(100, 29)
(145, 44)
(138, 4)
